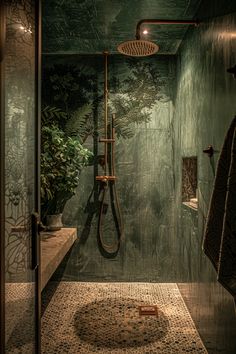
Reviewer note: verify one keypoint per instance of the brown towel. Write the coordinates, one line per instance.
(219, 241)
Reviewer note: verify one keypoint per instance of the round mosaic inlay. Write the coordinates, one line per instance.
(116, 323)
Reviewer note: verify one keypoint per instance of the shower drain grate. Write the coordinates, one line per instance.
(148, 310)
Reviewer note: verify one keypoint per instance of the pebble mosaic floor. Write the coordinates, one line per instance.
(104, 318)
(19, 315)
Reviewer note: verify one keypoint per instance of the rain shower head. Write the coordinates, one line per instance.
(138, 48)
(142, 48)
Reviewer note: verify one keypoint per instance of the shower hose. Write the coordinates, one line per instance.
(108, 185)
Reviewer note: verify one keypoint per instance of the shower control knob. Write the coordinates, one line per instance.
(232, 71)
(209, 151)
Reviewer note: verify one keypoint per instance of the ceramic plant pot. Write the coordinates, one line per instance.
(53, 222)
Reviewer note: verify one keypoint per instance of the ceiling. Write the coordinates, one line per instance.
(93, 26)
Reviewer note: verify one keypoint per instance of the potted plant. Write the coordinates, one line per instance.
(62, 159)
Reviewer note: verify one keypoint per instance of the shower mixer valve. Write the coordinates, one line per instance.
(105, 179)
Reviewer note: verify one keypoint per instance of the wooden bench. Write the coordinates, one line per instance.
(54, 247)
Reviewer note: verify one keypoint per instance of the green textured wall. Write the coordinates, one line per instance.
(204, 108)
(144, 164)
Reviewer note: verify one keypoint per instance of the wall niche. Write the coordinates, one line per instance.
(189, 181)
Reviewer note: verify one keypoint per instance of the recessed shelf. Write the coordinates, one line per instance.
(189, 182)
(190, 206)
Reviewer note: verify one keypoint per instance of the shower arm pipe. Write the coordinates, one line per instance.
(162, 22)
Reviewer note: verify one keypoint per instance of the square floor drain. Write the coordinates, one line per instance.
(148, 310)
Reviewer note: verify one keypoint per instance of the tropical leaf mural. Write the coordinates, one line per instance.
(76, 89)
(80, 122)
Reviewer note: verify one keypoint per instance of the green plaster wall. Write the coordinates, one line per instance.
(145, 170)
(204, 108)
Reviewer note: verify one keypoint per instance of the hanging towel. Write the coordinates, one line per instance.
(219, 242)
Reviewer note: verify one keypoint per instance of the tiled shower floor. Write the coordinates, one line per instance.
(104, 318)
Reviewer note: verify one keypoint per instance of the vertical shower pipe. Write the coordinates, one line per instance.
(108, 179)
(105, 112)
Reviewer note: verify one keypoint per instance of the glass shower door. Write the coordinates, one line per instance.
(19, 98)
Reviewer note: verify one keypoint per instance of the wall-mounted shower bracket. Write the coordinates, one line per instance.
(162, 22)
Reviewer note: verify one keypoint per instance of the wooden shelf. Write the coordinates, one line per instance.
(189, 205)
(54, 247)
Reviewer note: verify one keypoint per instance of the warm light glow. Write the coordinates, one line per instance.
(145, 32)
(228, 35)
(25, 29)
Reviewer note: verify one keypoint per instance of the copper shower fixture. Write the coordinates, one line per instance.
(140, 47)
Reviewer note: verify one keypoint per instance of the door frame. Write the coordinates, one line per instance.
(38, 19)
(2, 182)
(38, 63)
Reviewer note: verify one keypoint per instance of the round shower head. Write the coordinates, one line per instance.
(138, 48)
